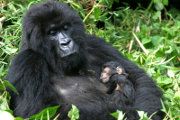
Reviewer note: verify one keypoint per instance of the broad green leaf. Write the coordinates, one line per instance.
(164, 80)
(73, 114)
(143, 115)
(159, 6)
(156, 40)
(118, 114)
(45, 114)
(157, 15)
(3, 104)
(146, 40)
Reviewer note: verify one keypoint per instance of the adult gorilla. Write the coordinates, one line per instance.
(59, 64)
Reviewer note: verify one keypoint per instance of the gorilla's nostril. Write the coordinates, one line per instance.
(66, 43)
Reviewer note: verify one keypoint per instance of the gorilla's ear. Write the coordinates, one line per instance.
(32, 35)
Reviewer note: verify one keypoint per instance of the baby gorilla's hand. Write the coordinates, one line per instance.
(117, 78)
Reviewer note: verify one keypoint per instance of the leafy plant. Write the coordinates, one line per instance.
(147, 37)
(46, 114)
(118, 115)
(73, 114)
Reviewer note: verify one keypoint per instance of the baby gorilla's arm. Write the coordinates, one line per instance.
(124, 86)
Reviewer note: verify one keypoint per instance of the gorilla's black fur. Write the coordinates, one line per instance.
(59, 64)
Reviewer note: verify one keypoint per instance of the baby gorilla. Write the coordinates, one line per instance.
(115, 78)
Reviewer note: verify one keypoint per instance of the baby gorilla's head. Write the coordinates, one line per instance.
(109, 69)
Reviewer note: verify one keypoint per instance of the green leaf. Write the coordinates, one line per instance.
(115, 114)
(19, 118)
(9, 85)
(169, 93)
(118, 115)
(156, 40)
(146, 40)
(157, 15)
(10, 50)
(177, 95)
(45, 114)
(73, 114)
(159, 6)
(3, 104)
(165, 2)
(164, 80)
(143, 115)
(97, 13)
(156, 1)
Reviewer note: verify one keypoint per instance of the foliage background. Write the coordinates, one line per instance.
(149, 37)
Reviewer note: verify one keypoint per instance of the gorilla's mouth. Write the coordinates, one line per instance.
(68, 48)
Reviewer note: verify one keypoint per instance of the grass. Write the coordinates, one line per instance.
(149, 38)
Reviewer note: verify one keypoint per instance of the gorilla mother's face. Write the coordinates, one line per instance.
(57, 27)
(65, 45)
(56, 31)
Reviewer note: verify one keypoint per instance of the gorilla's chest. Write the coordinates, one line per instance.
(78, 89)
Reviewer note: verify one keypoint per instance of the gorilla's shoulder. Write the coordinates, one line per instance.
(94, 40)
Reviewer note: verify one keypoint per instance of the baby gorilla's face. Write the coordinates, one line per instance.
(105, 75)
(107, 72)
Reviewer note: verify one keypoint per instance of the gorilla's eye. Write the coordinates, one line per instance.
(65, 27)
(52, 32)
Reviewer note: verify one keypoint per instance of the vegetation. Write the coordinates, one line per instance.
(148, 37)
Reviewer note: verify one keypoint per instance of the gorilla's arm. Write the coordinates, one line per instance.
(147, 94)
(29, 74)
